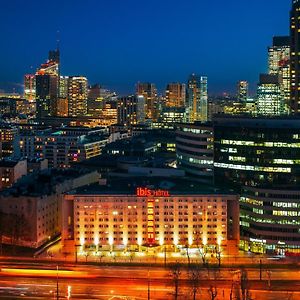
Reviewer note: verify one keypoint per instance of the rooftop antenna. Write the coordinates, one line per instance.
(57, 40)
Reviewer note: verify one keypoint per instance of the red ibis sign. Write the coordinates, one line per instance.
(145, 192)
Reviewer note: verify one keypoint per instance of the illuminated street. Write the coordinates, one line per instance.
(132, 282)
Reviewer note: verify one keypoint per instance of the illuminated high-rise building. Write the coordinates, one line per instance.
(279, 64)
(149, 92)
(47, 86)
(131, 110)
(175, 95)
(63, 87)
(270, 100)
(54, 55)
(77, 96)
(197, 99)
(29, 87)
(95, 100)
(295, 57)
(242, 90)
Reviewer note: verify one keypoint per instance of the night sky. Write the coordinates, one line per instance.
(120, 42)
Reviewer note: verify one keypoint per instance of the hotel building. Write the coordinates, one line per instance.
(138, 214)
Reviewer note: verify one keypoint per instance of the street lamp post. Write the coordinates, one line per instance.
(57, 288)
(76, 253)
(148, 286)
(165, 248)
(260, 269)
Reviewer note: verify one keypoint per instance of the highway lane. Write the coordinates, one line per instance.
(113, 289)
(135, 272)
(111, 281)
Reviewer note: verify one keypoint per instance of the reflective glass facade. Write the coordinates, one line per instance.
(260, 159)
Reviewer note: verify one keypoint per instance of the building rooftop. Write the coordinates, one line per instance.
(8, 163)
(291, 122)
(128, 186)
(42, 183)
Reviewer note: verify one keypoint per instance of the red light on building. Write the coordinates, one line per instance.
(145, 192)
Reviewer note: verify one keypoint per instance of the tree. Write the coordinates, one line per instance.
(213, 292)
(244, 283)
(17, 229)
(175, 273)
(194, 278)
(186, 246)
(218, 251)
(242, 291)
(202, 249)
(86, 254)
(131, 256)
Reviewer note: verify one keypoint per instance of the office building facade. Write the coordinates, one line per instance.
(77, 96)
(175, 95)
(29, 87)
(194, 150)
(47, 86)
(131, 110)
(279, 64)
(197, 99)
(295, 57)
(242, 90)
(149, 92)
(259, 158)
(270, 97)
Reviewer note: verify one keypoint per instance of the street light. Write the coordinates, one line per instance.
(148, 286)
(57, 289)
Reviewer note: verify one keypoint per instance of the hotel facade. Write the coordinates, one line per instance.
(97, 219)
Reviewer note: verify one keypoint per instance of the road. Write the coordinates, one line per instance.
(112, 283)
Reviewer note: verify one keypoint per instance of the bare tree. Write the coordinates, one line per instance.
(213, 292)
(244, 285)
(218, 251)
(186, 246)
(17, 229)
(194, 277)
(131, 256)
(175, 273)
(86, 254)
(202, 249)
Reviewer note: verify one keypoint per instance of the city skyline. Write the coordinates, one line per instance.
(123, 52)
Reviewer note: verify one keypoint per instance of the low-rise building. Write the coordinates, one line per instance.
(62, 147)
(31, 208)
(11, 171)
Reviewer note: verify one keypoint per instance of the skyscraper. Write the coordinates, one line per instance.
(175, 95)
(295, 56)
(197, 97)
(47, 89)
(95, 101)
(54, 55)
(149, 92)
(29, 87)
(62, 102)
(279, 64)
(131, 110)
(270, 97)
(77, 96)
(242, 90)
